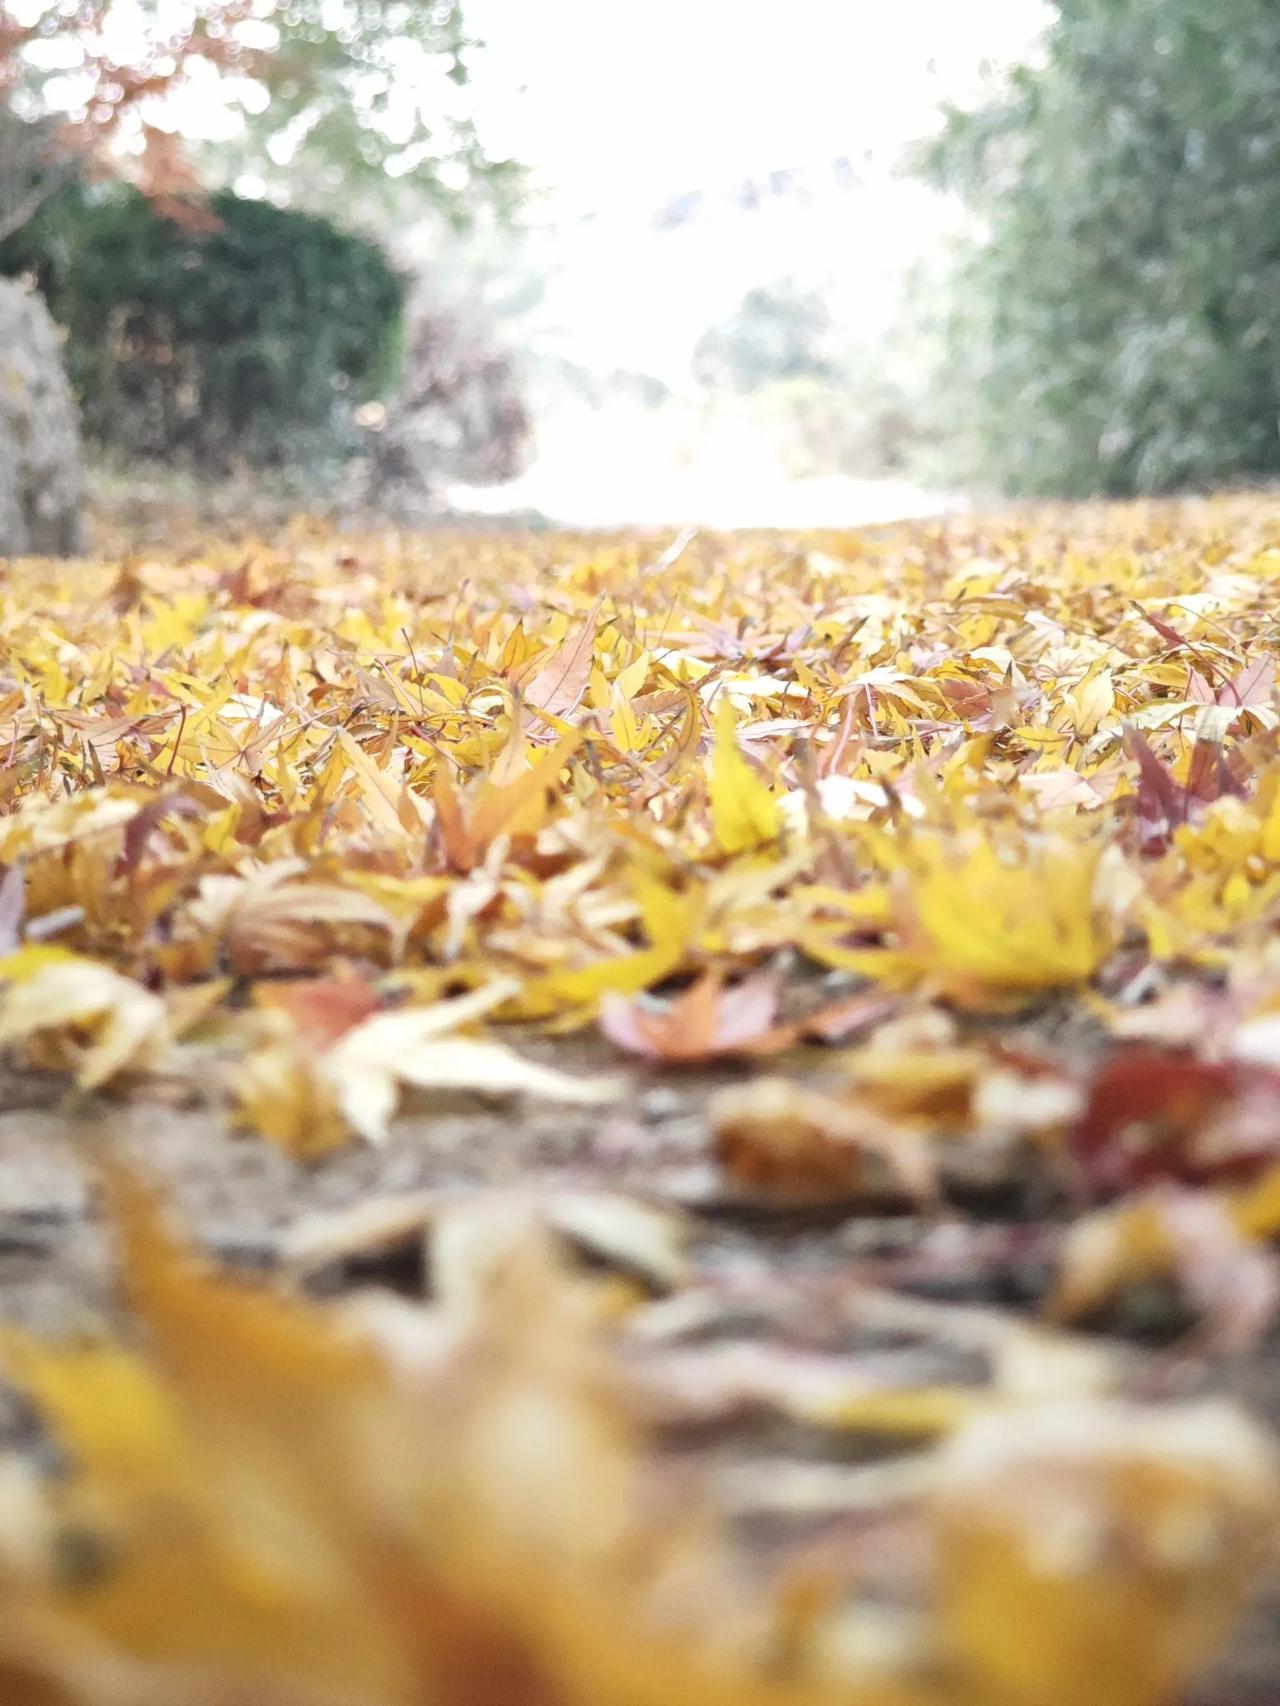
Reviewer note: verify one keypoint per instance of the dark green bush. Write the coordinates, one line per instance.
(1117, 321)
(251, 335)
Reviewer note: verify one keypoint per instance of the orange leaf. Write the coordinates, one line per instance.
(704, 1022)
(323, 1009)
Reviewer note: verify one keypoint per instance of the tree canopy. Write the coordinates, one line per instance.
(320, 102)
(1116, 325)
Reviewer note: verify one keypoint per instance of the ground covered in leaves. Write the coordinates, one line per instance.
(747, 1070)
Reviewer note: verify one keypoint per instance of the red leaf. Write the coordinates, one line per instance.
(1162, 801)
(1209, 776)
(1166, 631)
(745, 1012)
(1156, 1113)
(968, 699)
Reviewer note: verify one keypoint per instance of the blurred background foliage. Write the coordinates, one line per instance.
(353, 108)
(777, 331)
(251, 332)
(229, 289)
(1113, 322)
(830, 401)
(1071, 288)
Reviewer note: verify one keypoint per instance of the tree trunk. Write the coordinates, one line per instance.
(41, 474)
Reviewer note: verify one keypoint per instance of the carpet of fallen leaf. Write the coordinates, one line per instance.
(766, 1052)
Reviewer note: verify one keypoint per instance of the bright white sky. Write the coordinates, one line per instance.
(608, 98)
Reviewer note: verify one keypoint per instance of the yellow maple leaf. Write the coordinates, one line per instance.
(985, 930)
(744, 813)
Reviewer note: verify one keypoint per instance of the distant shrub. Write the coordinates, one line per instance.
(251, 333)
(865, 428)
(776, 332)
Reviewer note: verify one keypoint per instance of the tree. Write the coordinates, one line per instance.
(776, 332)
(1116, 326)
(34, 168)
(323, 99)
(195, 322)
(40, 471)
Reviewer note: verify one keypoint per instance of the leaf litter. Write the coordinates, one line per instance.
(951, 852)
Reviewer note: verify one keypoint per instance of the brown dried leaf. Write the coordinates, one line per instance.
(779, 1136)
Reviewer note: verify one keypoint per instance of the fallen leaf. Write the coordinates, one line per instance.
(79, 1016)
(322, 1009)
(779, 1136)
(985, 932)
(744, 813)
(704, 1022)
(1167, 632)
(1185, 1238)
(1077, 1530)
(279, 1092)
(292, 926)
(1155, 1113)
(370, 1065)
(559, 682)
(295, 1515)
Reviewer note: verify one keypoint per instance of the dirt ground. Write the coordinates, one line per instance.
(244, 1198)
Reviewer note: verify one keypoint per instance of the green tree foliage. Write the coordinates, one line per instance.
(777, 331)
(253, 335)
(366, 114)
(1117, 326)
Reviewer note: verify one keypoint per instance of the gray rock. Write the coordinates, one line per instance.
(41, 471)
